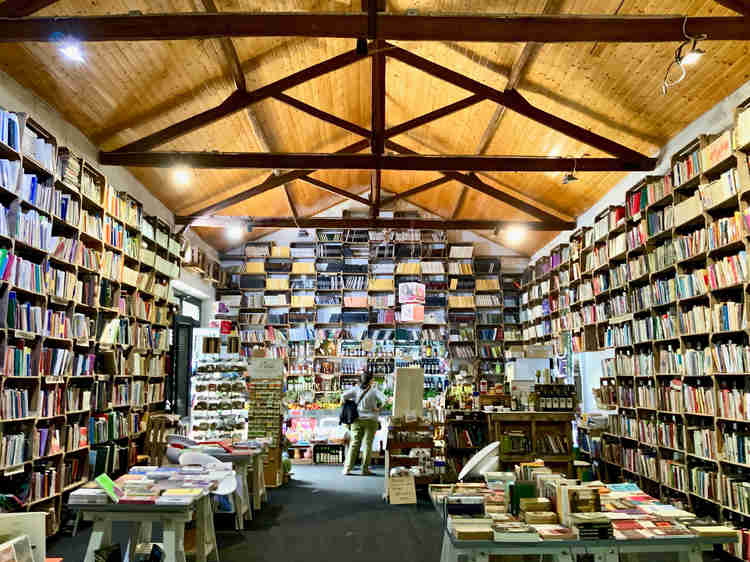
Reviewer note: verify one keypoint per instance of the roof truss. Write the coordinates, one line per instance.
(510, 28)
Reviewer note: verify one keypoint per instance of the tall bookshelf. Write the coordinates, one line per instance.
(345, 316)
(676, 314)
(84, 321)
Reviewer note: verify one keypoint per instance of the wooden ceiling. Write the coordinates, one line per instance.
(126, 90)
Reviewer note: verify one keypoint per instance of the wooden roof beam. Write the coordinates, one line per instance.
(511, 28)
(416, 190)
(333, 189)
(389, 132)
(474, 182)
(437, 224)
(271, 182)
(23, 8)
(233, 58)
(230, 52)
(739, 6)
(338, 161)
(239, 100)
(323, 115)
(516, 102)
(514, 79)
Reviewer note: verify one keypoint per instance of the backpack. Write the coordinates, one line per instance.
(350, 411)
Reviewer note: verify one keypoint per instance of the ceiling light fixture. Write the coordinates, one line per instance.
(72, 50)
(181, 175)
(682, 60)
(515, 234)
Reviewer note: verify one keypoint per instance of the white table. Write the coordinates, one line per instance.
(690, 549)
(142, 517)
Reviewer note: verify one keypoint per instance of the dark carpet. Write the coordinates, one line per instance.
(320, 516)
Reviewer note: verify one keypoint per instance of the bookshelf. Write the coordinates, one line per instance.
(676, 316)
(344, 314)
(84, 316)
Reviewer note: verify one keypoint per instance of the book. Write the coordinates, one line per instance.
(113, 491)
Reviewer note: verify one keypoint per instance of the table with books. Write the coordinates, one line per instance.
(536, 511)
(172, 496)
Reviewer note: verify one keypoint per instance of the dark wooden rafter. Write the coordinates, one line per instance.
(460, 202)
(416, 190)
(474, 182)
(514, 79)
(433, 115)
(271, 182)
(23, 8)
(323, 115)
(233, 59)
(339, 161)
(377, 97)
(516, 102)
(511, 28)
(333, 189)
(230, 52)
(739, 6)
(440, 224)
(239, 100)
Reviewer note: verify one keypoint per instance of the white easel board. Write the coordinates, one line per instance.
(408, 392)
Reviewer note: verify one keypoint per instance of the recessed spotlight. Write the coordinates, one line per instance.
(515, 234)
(72, 51)
(181, 175)
(235, 232)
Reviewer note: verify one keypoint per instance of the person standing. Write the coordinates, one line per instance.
(369, 401)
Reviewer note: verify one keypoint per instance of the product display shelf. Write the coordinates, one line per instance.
(65, 374)
(333, 273)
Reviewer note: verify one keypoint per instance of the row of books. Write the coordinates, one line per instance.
(14, 449)
(704, 441)
(15, 403)
(31, 228)
(43, 482)
(51, 401)
(36, 191)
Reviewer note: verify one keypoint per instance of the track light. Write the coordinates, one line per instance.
(570, 176)
(694, 55)
(682, 60)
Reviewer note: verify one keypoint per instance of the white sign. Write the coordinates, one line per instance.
(402, 490)
(265, 368)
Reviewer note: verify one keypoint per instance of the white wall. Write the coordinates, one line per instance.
(15, 97)
(716, 119)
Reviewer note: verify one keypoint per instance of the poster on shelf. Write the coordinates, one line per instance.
(411, 293)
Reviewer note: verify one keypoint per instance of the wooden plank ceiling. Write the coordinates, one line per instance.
(125, 91)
